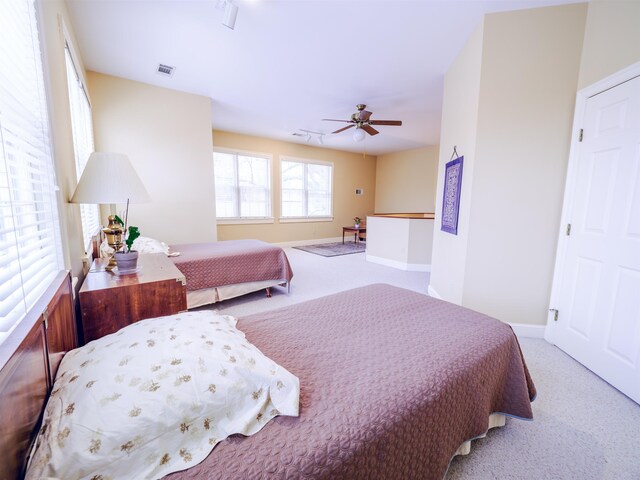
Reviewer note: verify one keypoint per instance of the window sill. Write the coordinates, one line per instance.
(305, 219)
(244, 221)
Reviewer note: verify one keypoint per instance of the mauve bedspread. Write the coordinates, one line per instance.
(207, 265)
(392, 382)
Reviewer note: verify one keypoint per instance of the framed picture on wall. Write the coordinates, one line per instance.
(451, 196)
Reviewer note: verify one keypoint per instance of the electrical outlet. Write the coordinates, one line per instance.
(359, 191)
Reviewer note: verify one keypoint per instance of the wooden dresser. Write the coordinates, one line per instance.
(109, 301)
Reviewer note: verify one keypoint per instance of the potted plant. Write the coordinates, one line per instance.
(356, 222)
(127, 259)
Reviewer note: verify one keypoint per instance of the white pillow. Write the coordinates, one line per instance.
(141, 244)
(150, 245)
(156, 397)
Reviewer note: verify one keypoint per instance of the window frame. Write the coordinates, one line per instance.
(89, 213)
(240, 220)
(307, 218)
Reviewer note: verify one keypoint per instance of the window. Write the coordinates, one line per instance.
(243, 185)
(82, 128)
(29, 231)
(306, 189)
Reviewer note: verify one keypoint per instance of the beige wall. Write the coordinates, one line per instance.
(406, 181)
(612, 39)
(53, 14)
(522, 149)
(388, 238)
(404, 243)
(512, 195)
(459, 123)
(351, 171)
(167, 136)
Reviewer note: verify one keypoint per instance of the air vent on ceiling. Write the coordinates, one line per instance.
(165, 70)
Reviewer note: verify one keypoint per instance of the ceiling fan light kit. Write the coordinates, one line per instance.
(362, 121)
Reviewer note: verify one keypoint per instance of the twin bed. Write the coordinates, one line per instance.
(217, 271)
(223, 270)
(392, 384)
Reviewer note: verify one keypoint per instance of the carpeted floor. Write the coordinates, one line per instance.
(334, 249)
(582, 429)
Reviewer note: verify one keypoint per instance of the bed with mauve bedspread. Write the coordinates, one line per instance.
(221, 270)
(392, 382)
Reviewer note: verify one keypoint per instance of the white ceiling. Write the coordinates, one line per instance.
(290, 63)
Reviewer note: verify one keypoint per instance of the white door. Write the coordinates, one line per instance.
(598, 297)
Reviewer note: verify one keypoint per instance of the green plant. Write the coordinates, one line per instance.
(356, 219)
(131, 237)
(130, 233)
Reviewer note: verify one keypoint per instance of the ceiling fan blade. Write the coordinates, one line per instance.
(334, 120)
(364, 115)
(369, 129)
(343, 129)
(397, 123)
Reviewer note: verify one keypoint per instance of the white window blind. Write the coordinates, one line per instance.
(29, 230)
(306, 189)
(243, 185)
(82, 127)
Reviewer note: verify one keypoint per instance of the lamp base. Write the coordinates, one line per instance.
(113, 232)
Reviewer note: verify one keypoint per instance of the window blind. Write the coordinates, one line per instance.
(29, 230)
(82, 127)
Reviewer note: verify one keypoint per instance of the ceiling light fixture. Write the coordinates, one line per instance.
(230, 14)
(358, 135)
(309, 134)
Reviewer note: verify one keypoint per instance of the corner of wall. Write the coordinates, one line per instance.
(459, 126)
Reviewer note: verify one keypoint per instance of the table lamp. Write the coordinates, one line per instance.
(109, 178)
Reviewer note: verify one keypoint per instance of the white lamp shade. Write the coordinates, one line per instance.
(109, 178)
(358, 135)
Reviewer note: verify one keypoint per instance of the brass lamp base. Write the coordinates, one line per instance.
(113, 232)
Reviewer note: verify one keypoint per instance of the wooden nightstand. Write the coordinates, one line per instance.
(109, 301)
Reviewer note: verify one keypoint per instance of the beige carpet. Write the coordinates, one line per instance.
(582, 429)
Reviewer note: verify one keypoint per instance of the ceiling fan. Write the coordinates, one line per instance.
(361, 120)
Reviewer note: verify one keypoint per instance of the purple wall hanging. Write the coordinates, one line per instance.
(451, 197)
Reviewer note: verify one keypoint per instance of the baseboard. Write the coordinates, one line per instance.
(314, 241)
(522, 330)
(528, 331)
(409, 267)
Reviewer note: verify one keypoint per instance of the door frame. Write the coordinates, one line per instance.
(582, 96)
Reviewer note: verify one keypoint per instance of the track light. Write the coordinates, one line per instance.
(230, 14)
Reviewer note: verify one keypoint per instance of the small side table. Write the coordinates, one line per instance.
(109, 301)
(356, 232)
